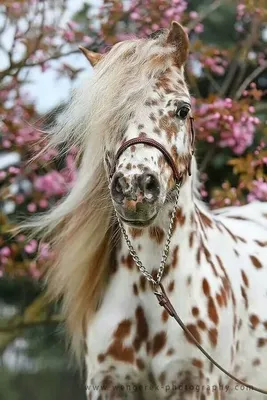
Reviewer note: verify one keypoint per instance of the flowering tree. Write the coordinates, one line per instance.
(226, 73)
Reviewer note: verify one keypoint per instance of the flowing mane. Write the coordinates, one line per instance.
(79, 229)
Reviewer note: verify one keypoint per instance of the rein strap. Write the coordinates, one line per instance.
(165, 302)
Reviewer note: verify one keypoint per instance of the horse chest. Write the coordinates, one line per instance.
(133, 331)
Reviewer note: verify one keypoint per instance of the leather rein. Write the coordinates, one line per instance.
(161, 294)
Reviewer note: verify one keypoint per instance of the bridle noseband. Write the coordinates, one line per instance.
(159, 290)
(153, 143)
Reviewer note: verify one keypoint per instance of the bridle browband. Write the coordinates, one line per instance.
(161, 295)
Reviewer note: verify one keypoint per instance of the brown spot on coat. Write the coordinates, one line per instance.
(212, 311)
(224, 296)
(245, 278)
(175, 256)
(254, 320)
(195, 311)
(171, 286)
(143, 283)
(135, 289)
(213, 336)
(128, 261)
(121, 353)
(244, 295)
(162, 378)
(261, 342)
(198, 256)
(134, 232)
(256, 262)
(206, 220)
(262, 244)
(157, 234)
(201, 324)
(101, 357)
(141, 328)
(194, 331)
(123, 329)
(206, 287)
(167, 125)
(197, 363)
(164, 315)
(256, 362)
(140, 364)
(170, 352)
(152, 116)
(159, 342)
(219, 299)
(191, 239)
(180, 218)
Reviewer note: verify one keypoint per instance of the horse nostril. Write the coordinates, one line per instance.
(151, 187)
(117, 187)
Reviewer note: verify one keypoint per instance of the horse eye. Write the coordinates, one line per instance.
(183, 112)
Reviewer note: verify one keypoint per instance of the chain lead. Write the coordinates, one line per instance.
(166, 249)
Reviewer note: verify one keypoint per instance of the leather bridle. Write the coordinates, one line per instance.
(161, 295)
(151, 142)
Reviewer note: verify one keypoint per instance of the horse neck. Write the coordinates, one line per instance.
(149, 242)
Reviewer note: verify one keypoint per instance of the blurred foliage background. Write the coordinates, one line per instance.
(227, 76)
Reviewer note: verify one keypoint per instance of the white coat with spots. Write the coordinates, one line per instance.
(216, 272)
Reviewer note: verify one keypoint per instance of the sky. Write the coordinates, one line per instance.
(46, 89)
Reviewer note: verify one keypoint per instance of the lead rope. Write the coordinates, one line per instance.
(166, 249)
(162, 297)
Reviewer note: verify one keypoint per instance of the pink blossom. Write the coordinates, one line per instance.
(31, 247)
(31, 207)
(20, 199)
(53, 184)
(193, 14)
(44, 251)
(2, 175)
(5, 251)
(87, 40)
(14, 170)
(69, 36)
(199, 28)
(259, 191)
(21, 238)
(6, 143)
(43, 203)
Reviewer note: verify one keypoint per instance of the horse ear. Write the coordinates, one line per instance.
(91, 56)
(178, 37)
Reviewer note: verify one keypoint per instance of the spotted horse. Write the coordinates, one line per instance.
(137, 180)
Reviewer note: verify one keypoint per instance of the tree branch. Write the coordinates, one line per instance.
(212, 81)
(229, 77)
(250, 78)
(204, 14)
(18, 325)
(23, 63)
(36, 310)
(209, 155)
